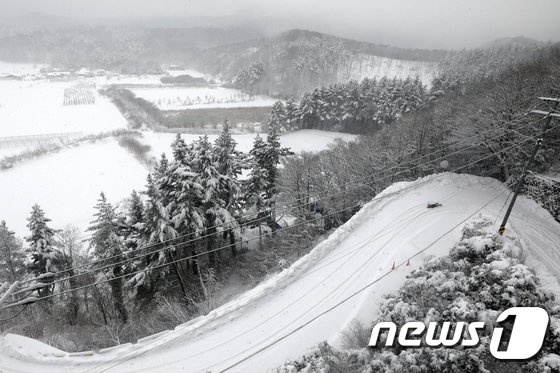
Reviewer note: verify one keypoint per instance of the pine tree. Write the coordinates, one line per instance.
(179, 148)
(43, 255)
(184, 207)
(292, 119)
(106, 243)
(256, 184)
(277, 116)
(158, 231)
(133, 221)
(230, 163)
(69, 243)
(211, 181)
(271, 158)
(11, 255)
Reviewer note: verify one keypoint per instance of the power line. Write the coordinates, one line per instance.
(35, 299)
(279, 287)
(328, 310)
(286, 283)
(359, 291)
(530, 161)
(319, 193)
(357, 186)
(16, 314)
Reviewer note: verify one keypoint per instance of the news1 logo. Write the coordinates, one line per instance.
(525, 340)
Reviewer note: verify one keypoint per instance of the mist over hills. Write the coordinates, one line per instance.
(256, 55)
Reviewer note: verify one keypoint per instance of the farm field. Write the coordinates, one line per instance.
(33, 107)
(67, 184)
(179, 98)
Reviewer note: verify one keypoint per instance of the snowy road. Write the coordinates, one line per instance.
(264, 327)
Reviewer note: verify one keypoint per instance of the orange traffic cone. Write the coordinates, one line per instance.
(393, 266)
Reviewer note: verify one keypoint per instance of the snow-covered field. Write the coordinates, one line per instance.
(67, 184)
(297, 141)
(34, 107)
(179, 98)
(292, 312)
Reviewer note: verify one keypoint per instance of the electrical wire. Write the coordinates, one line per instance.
(357, 186)
(230, 245)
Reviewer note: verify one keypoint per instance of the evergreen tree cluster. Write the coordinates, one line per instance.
(353, 107)
(193, 205)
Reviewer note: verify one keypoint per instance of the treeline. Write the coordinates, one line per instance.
(482, 129)
(351, 107)
(138, 111)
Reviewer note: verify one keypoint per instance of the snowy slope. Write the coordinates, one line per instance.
(392, 228)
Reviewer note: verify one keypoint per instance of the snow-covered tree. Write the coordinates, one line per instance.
(12, 255)
(230, 162)
(273, 151)
(69, 243)
(107, 248)
(212, 184)
(255, 194)
(43, 256)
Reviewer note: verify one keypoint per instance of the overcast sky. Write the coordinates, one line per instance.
(419, 23)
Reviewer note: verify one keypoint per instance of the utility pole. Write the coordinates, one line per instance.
(549, 115)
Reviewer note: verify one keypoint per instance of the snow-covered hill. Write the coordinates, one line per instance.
(285, 316)
(367, 66)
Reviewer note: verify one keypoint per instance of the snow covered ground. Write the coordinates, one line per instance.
(297, 141)
(34, 107)
(67, 184)
(180, 98)
(286, 316)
